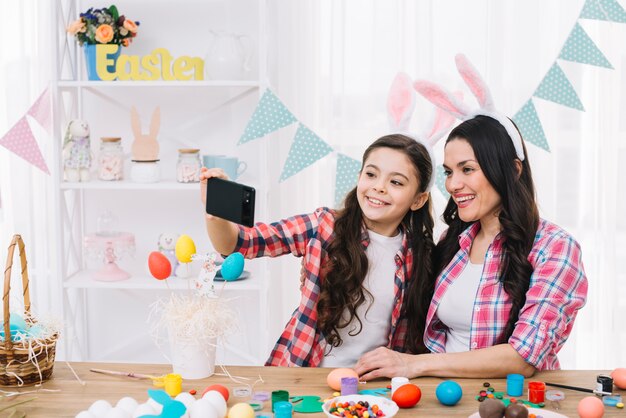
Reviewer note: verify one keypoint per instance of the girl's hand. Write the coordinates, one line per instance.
(205, 174)
(383, 362)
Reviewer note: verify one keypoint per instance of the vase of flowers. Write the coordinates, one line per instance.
(98, 27)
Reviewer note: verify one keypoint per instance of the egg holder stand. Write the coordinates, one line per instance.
(109, 248)
(25, 362)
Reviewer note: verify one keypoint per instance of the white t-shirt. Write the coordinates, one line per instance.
(456, 308)
(375, 318)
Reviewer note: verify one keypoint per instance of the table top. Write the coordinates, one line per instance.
(65, 396)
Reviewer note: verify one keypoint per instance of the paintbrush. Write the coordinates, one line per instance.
(126, 374)
(597, 392)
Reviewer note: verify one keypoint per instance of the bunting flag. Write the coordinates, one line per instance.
(580, 48)
(306, 149)
(556, 88)
(347, 176)
(41, 111)
(269, 116)
(21, 141)
(608, 10)
(529, 125)
(440, 181)
(592, 10)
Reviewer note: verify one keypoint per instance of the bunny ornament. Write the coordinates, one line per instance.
(77, 151)
(145, 149)
(400, 105)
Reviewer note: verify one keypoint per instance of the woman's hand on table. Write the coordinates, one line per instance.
(383, 362)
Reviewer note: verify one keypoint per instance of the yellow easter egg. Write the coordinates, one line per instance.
(184, 249)
(241, 410)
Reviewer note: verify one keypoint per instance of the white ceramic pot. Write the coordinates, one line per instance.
(145, 171)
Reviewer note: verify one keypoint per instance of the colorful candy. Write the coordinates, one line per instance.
(361, 409)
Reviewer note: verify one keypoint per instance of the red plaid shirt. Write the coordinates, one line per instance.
(558, 289)
(309, 236)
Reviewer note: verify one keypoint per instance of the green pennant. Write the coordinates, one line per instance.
(347, 176)
(529, 125)
(306, 149)
(556, 87)
(580, 48)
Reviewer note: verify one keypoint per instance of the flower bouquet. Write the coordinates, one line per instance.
(102, 27)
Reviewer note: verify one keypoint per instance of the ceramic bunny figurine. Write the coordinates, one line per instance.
(76, 151)
(145, 146)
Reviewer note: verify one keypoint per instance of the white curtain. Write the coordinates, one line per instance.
(333, 63)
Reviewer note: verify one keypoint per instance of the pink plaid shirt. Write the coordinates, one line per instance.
(558, 289)
(309, 236)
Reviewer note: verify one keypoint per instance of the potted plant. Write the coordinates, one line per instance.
(103, 26)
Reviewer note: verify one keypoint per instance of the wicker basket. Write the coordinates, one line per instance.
(23, 363)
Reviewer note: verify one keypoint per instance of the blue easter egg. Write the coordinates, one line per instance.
(35, 331)
(449, 392)
(14, 331)
(232, 267)
(18, 321)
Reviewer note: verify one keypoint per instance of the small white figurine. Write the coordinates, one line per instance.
(76, 151)
(167, 246)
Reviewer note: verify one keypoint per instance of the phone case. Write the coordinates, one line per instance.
(231, 201)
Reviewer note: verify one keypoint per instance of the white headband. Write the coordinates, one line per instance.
(400, 105)
(443, 99)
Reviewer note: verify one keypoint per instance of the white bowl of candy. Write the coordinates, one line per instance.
(335, 407)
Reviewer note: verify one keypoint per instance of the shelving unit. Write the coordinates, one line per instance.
(207, 114)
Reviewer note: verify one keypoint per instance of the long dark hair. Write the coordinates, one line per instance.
(343, 287)
(518, 214)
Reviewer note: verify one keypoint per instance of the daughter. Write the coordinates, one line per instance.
(360, 262)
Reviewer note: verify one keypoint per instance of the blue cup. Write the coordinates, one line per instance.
(231, 166)
(514, 384)
(209, 160)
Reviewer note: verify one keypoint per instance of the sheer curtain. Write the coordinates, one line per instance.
(334, 61)
(25, 191)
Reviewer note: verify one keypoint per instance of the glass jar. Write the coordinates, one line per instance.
(188, 167)
(111, 159)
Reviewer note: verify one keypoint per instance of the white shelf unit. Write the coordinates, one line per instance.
(209, 115)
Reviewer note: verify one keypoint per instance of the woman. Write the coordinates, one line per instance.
(509, 283)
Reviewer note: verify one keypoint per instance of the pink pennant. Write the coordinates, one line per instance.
(21, 141)
(41, 111)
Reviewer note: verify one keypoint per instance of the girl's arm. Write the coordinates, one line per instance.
(491, 362)
(222, 233)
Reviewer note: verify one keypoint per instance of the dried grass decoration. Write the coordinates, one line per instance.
(193, 322)
(27, 356)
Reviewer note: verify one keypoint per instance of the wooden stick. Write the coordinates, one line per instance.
(126, 374)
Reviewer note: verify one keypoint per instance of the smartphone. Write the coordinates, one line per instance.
(231, 201)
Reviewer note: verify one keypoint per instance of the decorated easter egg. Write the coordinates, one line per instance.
(516, 410)
(219, 388)
(232, 267)
(449, 392)
(184, 249)
(590, 407)
(619, 377)
(241, 410)
(335, 376)
(203, 408)
(217, 400)
(160, 267)
(407, 396)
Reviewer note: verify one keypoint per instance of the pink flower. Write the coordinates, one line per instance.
(104, 34)
(130, 25)
(76, 26)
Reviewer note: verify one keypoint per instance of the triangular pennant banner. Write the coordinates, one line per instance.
(41, 111)
(306, 149)
(613, 10)
(347, 176)
(21, 141)
(592, 10)
(556, 87)
(580, 48)
(440, 181)
(529, 125)
(269, 116)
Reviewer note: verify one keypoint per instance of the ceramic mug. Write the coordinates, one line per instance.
(231, 166)
(209, 160)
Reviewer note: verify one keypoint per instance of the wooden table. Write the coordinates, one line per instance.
(74, 397)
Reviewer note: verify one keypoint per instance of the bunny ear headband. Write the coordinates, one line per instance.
(441, 98)
(400, 105)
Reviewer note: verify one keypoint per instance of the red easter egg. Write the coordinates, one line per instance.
(160, 267)
(221, 389)
(407, 396)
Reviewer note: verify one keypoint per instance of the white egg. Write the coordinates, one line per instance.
(203, 408)
(143, 409)
(84, 414)
(157, 407)
(100, 408)
(186, 398)
(128, 404)
(117, 413)
(218, 402)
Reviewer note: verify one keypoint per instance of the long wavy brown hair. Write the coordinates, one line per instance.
(342, 290)
(518, 215)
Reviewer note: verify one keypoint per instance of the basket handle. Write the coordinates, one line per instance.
(17, 239)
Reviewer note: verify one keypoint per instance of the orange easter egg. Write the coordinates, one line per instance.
(160, 267)
(407, 396)
(590, 407)
(219, 388)
(334, 377)
(619, 377)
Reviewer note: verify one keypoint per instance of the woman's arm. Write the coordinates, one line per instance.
(491, 362)
(222, 233)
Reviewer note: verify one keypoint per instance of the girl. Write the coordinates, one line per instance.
(358, 262)
(509, 283)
